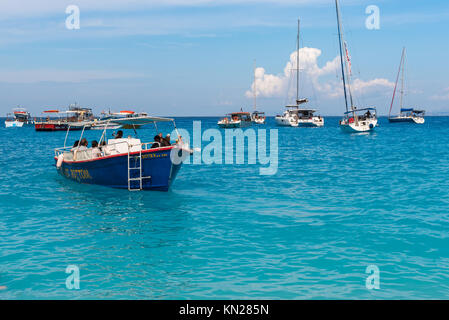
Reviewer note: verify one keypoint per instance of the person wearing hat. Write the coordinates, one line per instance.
(166, 141)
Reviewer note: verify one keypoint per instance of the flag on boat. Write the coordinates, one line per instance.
(348, 58)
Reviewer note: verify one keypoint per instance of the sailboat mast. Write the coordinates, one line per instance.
(402, 76)
(297, 66)
(255, 92)
(341, 54)
(396, 83)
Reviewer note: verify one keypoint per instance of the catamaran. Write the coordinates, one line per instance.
(405, 114)
(258, 117)
(125, 163)
(354, 119)
(236, 120)
(296, 116)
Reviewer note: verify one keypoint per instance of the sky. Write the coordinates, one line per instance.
(197, 57)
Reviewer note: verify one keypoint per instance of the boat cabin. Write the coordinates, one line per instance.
(410, 112)
(242, 116)
(361, 114)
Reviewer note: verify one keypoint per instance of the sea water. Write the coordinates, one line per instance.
(337, 204)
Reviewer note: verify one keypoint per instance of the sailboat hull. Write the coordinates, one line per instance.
(417, 120)
(362, 126)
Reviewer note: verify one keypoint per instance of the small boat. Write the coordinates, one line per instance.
(76, 118)
(108, 119)
(126, 163)
(354, 119)
(296, 116)
(12, 123)
(409, 115)
(257, 117)
(20, 118)
(359, 120)
(236, 120)
(405, 114)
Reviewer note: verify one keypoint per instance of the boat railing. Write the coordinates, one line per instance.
(106, 150)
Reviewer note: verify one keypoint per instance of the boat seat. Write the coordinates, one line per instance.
(118, 146)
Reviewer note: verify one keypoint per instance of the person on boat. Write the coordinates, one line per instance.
(119, 134)
(83, 144)
(368, 114)
(75, 145)
(157, 142)
(96, 152)
(165, 142)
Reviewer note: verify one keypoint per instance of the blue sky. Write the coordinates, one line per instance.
(195, 57)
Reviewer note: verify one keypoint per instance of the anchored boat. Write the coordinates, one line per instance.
(405, 114)
(108, 119)
(75, 118)
(296, 116)
(258, 117)
(125, 163)
(18, 118)
(354, 119)
(236, 120)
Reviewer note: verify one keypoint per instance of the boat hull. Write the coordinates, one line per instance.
(43, 126)
(285, 122)
(112, 171)
(13, 124)
(259, 121)
(235, 124)
(311, 123)
(363, 126)
(417, 120)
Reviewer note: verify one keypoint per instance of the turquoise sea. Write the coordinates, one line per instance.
(337, 204)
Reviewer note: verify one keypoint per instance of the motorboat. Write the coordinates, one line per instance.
(75, 117)
(258, 117)
(236, 120)
(108, 119)
(18, 118)
(123, 162)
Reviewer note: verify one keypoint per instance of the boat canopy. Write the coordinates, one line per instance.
(258, 112)
(140, 121)
(411, 110)
(357, 110)
(302, 100)
(239, 113)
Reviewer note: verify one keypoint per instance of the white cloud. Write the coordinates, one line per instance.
(68, 76)
(272, 85)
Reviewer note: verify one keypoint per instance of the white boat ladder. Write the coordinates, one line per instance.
(132, 169)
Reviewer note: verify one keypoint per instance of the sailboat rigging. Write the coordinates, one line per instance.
(354, 119)
(405, 114)
(295, 116)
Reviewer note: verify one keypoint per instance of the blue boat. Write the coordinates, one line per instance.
(125, 163)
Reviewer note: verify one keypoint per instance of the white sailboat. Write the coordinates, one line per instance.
(405, 114)
(354, 119)
(296, 116)
(258, 117)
